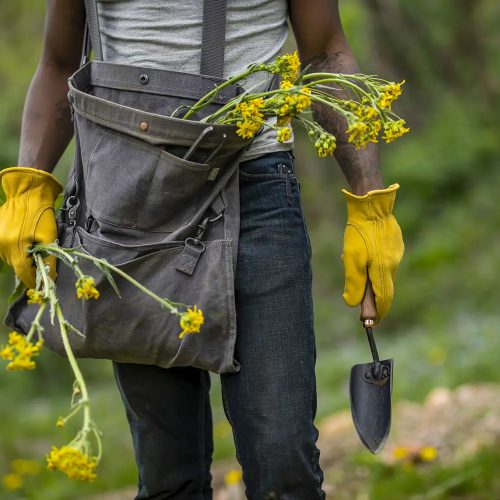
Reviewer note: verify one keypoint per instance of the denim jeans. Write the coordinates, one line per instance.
(271, 402)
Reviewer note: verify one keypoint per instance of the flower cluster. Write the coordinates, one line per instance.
(20, 351)
(365, 121)
(73, 462)
(390, 93)
(191, 321)
(85, 288)
(325, 144)
(248, 117)
(393, 130)
(36, 296)
(287, 66)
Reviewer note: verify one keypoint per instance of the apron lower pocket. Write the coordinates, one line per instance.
(135, 328)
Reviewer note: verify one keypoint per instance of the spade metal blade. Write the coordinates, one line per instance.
(370, 389)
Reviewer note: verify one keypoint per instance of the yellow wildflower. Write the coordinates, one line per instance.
(283, 134)
(391, 92)
(400, 452)
(35, 296)
(19, 352)
(245, 112)
(359, 134)
(85, 288)
(394, 129)
(366, 113)
(257, 103)
(283, 120)
(284, 110)
(72, 462)
(287, 66)
(60, 422)
(191, 321)
(250, 110)
(25, 467)
(7, 353)
(12, 482)
(246, 129)
(428, 454)
(234, 476)
(285, 84)
(21, 363)
(17, 340)
(302, 103)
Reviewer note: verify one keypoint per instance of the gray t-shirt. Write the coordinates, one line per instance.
(167, 35)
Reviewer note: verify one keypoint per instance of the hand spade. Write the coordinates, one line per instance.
(370, 386)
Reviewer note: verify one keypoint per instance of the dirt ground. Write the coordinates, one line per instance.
(451, 424)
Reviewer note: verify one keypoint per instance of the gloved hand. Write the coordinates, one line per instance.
(27, 217)
(373, 246)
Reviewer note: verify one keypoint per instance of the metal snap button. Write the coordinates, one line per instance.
(144, 79)
(143, 126)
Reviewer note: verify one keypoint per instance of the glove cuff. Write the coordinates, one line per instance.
(374, 205)
(17, 181)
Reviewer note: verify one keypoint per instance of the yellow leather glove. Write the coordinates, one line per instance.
(27, 217)
(373, 246)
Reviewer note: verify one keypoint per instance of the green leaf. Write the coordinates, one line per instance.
(301, 74)
(69, 326)
(59, 201)
(18, 291)
(106, 271)
(64, 256)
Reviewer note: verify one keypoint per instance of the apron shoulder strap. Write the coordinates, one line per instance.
(213, 36)
(92, 32)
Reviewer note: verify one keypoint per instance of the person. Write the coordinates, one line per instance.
(271, 403)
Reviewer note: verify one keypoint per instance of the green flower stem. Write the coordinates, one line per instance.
(165, 302)
(46, 281)
(97, 435)
(84, 401)
(341, 110)
(76, 408)
(35, 324)
(356, 88)
(236, 100)
(203, 101)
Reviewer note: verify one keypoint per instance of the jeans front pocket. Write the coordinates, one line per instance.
(132, 184)
(270, 177)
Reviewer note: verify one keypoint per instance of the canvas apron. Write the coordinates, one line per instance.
(131, 197)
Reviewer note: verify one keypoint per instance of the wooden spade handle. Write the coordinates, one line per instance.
(368, 307)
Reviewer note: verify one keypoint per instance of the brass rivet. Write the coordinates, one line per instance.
(143, 126)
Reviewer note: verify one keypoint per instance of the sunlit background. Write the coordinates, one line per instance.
(443, 330)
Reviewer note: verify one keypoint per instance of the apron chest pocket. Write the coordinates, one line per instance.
(133, 184)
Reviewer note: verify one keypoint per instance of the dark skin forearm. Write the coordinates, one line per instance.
(360, 167)
(321, 43)
(46, 126)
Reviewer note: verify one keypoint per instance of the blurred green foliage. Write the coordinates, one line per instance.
(443, 325)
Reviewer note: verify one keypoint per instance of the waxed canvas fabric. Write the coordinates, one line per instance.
(131, 198)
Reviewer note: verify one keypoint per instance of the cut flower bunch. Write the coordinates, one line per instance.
(367, 112)
(80, 457)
